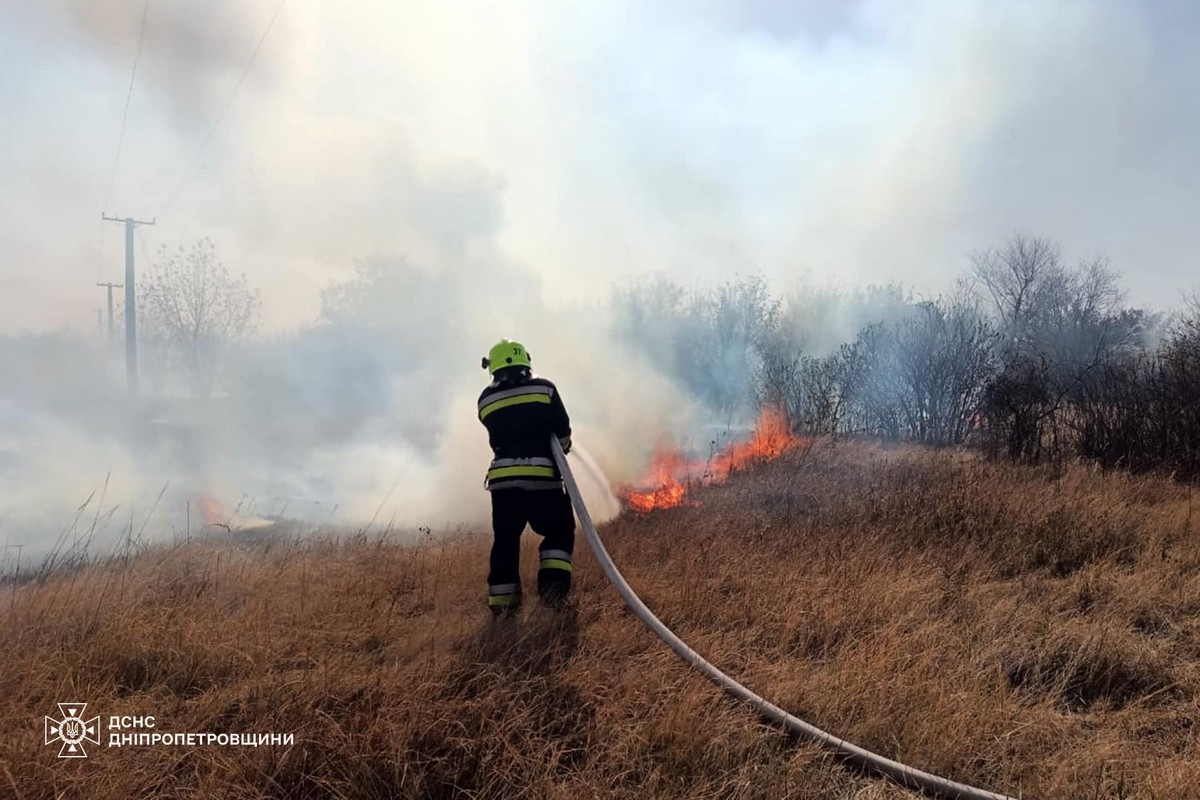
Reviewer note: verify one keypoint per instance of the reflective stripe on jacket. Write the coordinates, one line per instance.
(520, 417)
(506, 398)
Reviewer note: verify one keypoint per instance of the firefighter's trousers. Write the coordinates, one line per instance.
(548, 512)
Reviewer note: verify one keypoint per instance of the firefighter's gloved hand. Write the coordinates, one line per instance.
(565, 443)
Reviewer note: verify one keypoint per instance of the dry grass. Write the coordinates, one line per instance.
(1031, 631)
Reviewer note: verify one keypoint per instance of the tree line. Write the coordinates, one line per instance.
(1029, 358)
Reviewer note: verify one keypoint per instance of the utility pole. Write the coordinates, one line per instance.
(131, 368)
(112, 332)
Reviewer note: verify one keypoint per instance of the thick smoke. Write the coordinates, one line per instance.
(502, 167)
(191, 52)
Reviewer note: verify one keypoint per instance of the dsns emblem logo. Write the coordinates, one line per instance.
(72, 730)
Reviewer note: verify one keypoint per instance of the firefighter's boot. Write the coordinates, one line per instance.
(554, 578)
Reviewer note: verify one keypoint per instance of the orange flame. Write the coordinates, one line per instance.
(210, 510)
(665, 467)
(670, 473)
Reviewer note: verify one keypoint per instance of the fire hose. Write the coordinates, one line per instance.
(909, 777)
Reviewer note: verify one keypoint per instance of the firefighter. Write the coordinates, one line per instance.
(521, 411)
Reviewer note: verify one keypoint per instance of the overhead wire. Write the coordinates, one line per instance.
(195, 161)
(128, 97)
(112, 178)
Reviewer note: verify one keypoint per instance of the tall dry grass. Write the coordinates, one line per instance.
(1033, 631)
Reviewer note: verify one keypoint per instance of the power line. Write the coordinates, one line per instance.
(130, 301)
(112, 332)
(228, 102)
(125, 114)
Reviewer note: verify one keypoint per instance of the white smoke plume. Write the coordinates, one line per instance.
(511, 163)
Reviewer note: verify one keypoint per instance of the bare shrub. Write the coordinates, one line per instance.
(194, 309)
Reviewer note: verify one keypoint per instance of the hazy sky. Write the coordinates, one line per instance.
(587, 141)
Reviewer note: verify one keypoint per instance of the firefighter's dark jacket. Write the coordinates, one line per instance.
(520, 417)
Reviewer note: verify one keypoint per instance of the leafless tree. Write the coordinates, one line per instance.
(652, 316)
(1018, 407)
(1077, 320)
(946, 352)
(1059, 326)
(194, 308)
(711, 340)
(871, 382)
(739, 317)
(1011, 277)
(811, 391)
(1071, 317)
(1140, 412)
(937, 362)
(1187, 322)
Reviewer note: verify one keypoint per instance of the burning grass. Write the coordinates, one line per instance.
(671, 473)
(1031, 631)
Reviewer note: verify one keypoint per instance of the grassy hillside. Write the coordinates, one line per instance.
(1030, 631)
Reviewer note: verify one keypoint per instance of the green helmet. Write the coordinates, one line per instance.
(506, 353)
